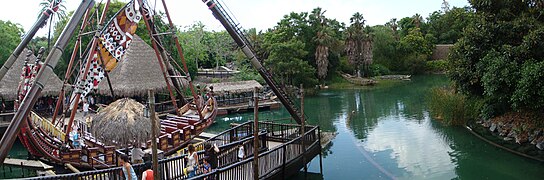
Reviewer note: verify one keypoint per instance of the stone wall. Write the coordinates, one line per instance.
(441, 51)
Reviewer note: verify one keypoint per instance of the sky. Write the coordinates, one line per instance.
(259, 14)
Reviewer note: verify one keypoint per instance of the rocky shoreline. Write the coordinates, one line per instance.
(515, 131)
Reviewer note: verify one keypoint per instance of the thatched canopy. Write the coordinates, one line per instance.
(122, 123)
(10, 82)
(138, 72)
(235, 87)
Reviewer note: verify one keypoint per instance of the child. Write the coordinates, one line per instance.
(206, 167)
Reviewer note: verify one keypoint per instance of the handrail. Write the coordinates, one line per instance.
(264, 158)
(172, 168)
(47, 126)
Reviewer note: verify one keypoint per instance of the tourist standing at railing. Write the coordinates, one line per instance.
(128, 171)
(211, 152)
(192, 161)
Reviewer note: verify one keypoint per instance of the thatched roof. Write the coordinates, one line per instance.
(235, 87)
(122, 123)
(138, 72)
(10, 82)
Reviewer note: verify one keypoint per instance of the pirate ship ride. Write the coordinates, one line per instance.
(47, 138)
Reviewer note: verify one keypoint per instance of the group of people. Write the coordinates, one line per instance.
(208, 163)
(194, 164)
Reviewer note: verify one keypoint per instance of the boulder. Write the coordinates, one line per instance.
(493, 127)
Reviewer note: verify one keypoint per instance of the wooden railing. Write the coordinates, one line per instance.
(47, 126)
(270, 161)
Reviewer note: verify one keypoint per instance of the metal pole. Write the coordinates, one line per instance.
(303, 121)
(44, 73)
(256, 134)
(320, 151)
(151, 97)
(26, 39)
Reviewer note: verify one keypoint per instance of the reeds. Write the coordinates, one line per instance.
(452, 108)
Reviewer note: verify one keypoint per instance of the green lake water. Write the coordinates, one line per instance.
(387, 133)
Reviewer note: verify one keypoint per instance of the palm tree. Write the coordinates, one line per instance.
(60, 11)
(367, 49)
(324, 41)
(354, 42)
(393, 25)
(417, 19)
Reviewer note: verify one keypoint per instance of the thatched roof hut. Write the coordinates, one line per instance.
(122, 123)
(10, 82)
(138, 72)
(235, 87)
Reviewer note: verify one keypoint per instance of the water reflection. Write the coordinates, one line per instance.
(387, 133)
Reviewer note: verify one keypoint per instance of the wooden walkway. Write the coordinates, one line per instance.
(284, 151)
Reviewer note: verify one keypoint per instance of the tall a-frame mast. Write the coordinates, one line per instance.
(50, 62)
(28, 36)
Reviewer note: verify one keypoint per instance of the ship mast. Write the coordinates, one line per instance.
(51, 61)
(236, 34)
(27, 37)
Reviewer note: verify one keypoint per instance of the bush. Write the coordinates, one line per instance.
(453, 108)
(436, 66)
(378, 70)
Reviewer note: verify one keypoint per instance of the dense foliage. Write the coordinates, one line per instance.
(499, 58)
(10, 36)
(306, 47)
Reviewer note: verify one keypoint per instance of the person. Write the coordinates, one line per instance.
(206, 167)
(192, 161)
(88, 122)
(128, 171)
(75, 139)
(85, 108)
(147, 174)
(137, 155)
(211, 152)
(241, 152)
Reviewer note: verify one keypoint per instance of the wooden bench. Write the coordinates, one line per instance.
(176, 137)
(73, 155)
(163, 142)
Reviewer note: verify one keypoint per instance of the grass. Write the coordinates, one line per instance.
(336, 81)
(452, 108)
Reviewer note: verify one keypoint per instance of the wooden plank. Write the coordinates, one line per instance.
(27, 163)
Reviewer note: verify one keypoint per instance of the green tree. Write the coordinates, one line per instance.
(358, 45)
(447, 27)
(286, 61)
(53, 18)
(499, 54)
(324, 41)
(10, 36)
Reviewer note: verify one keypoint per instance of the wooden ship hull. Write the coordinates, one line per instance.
(43, 140)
